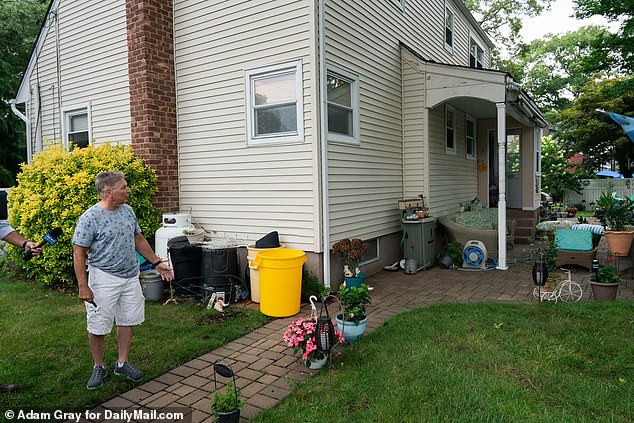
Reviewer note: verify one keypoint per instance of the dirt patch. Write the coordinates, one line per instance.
(216, 316)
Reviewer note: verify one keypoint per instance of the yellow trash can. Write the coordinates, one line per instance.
(254, 274)
(280, 280)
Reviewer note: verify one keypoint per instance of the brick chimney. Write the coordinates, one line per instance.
(153, 93)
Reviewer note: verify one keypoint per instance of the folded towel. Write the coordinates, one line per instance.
(595, 229)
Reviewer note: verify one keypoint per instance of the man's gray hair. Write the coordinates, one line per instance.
(107, 179)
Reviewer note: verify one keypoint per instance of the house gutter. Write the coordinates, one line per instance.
(325, 209)
(27, 121)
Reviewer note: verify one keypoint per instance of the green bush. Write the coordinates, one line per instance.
(57, 187)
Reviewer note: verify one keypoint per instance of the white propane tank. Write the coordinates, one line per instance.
(173, 225)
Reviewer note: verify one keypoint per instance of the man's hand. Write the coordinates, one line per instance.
(167, 274)
(33, 247)
(85, 294)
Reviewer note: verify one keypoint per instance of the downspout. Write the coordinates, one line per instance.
(325, 209)
(27, 121)
(59, 77)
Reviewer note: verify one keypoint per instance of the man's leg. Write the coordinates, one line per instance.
(124, 340)
(96, 347)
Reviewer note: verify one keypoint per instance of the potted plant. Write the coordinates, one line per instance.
(194, 235)
(616, 213)
(572, 211)
(545, 259)
(226, 406)
(350, 251)
(352, 321)
(300, 335)
(607, 283)
(451, 255)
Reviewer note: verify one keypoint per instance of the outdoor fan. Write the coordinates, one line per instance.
(474, 255)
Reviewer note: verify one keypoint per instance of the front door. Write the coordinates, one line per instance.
(513, 169)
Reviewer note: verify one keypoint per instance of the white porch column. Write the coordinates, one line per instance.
(501, 186)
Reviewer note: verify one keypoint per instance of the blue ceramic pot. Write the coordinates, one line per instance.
(354, 282)
(351, 332)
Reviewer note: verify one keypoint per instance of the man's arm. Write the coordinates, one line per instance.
(18, 240)
(143, 247)
(79, 264)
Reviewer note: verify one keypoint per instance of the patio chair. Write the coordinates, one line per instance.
(576, 247)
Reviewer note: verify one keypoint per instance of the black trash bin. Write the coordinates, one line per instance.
(186, 259)
(219, 270)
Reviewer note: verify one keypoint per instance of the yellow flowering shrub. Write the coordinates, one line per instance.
(57, 187)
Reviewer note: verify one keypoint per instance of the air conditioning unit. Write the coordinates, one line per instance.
(474, 255)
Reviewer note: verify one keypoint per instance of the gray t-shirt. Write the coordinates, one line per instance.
(109, 235)
(5, 228)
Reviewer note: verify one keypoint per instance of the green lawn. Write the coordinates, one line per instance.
(480, 363)
(44, 347)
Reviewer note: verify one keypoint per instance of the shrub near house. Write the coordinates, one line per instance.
(57, 187)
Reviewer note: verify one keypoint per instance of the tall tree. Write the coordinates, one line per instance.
(20, 22)
(614, 10)
(594, 134)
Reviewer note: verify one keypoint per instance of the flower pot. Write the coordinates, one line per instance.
(446, 262)
(604, 291)
(354, 282)
(195, 236)
(316, 363)
(351, 331)
(232, 416)
(619, 242)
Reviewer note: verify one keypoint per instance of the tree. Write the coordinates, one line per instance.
(556, 176)
(20, 22)
(594, 134)
(613, 10)
(502, 19)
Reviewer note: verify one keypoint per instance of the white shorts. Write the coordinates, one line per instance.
(118, 300)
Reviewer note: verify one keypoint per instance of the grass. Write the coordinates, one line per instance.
(480, 363)
(587, 213)
(44, 346)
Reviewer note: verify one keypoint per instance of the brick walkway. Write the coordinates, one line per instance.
(266, 369)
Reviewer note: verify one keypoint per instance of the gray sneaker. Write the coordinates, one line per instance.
(96, 378)
(128, 370)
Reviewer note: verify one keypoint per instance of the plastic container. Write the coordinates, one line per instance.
(280, 280)
(152, 285)
(186, 262)
(254, 274)
(219, 269)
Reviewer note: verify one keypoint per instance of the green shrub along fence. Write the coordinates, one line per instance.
(57, 187)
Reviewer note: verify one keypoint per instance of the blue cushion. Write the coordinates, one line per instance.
(568, 239)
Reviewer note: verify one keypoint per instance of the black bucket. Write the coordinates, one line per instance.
(185, 260)
(270, 240)
(219, 269)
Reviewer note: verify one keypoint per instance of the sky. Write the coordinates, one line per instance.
(558, 20)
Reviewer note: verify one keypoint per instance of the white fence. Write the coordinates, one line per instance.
(592, 189)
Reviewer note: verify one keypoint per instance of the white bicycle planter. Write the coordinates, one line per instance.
(567, 291)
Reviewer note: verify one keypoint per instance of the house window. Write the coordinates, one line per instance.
(476, 54)
(470, 141)
(448, 29)
(450, 133)
(342, 93)
(274, 104)
(76, 130)
(373, 251)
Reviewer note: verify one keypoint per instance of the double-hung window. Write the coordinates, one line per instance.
(76, 121)
(343, 110)
(450, 129)
(275, 104)
(448, 29)
(476, 54)
(470, 138)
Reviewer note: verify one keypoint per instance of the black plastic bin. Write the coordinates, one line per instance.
(219, 269)
(186, 259)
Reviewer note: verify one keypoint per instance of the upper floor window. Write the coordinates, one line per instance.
(343, 110)
(274, 104)
(470, 140)
(448, 29)
(76, 130)
(476, 54)
(450, 129)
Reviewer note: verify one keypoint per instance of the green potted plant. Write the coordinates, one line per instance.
(451, 255)
(352, 320)
(607, 283)
(226, 406)
(350, 251)
(616, 213)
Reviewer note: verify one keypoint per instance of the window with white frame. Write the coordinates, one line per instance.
(476, 54)
(274, 104)
(76, 121)
(343, 110)
(450, 129)
(470, 138)
(448, 29)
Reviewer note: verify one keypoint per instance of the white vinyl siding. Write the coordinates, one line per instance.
(93, 64)
(230, 187)
(414, 148)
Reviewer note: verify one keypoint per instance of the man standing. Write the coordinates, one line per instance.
(8, 234)
(108, 231)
